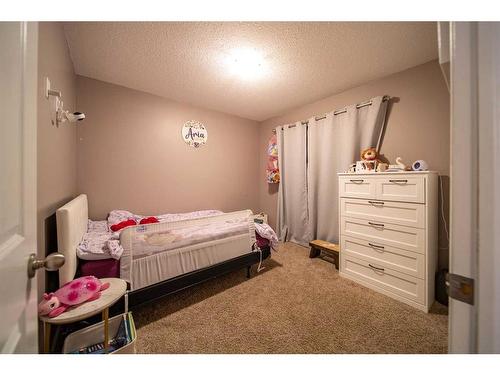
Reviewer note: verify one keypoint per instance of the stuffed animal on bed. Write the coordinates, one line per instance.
(75, 292)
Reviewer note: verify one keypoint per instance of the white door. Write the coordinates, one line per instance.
(18, 78)
(475, 181)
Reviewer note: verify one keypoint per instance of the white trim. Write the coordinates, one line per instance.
(488, 282)
(463, 174)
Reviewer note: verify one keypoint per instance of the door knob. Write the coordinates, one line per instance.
(52, 262)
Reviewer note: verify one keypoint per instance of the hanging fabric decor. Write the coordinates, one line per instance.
(194, 133)
(272, 170)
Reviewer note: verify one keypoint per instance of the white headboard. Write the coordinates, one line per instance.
(72, 221)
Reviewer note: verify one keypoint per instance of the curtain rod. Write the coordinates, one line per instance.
(340, 111)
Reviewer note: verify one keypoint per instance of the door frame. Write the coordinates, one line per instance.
(488, 281)
(474, 201)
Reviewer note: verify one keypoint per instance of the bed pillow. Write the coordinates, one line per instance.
(123, 224)
(149, 220)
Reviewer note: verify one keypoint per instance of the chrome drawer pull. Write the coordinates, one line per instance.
(355, 181)
(376, 268)
(376, 246)
(376, 224)
(399, 181)
(375, 203)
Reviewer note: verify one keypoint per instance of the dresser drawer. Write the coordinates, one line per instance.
(409, 214)
(401, 189)
(399, 236)
(357, 187)
(384, 278)
(404, 261)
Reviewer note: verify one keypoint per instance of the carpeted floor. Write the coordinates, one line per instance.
(295, 305)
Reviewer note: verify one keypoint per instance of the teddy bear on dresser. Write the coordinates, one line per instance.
(370, 158)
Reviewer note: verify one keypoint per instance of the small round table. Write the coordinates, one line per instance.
(117, 288)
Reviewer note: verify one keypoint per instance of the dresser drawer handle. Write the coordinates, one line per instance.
(399, 181)
(376, 224)
(376, 202)
(376, 246)
(376, 268)
(356, 181)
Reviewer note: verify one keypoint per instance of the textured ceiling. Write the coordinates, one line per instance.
(302, 61)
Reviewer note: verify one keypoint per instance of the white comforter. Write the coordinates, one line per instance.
(101, 243)
(117, 216)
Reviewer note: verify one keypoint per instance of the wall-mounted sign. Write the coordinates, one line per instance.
(194, 133)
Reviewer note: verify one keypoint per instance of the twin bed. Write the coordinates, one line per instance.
(161, 258)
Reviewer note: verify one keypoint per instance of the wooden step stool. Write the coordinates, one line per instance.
(332, 249)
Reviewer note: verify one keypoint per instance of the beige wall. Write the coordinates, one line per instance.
(131, 154)
(56, 180)
(417, 126)
(56, 146)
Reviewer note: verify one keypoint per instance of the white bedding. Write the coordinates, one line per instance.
(150, 243)
(117, 216)
(265, 231)
(101, 243)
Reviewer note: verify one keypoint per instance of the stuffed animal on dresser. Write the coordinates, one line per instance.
(370, 157)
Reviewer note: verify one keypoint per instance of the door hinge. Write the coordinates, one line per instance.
(460, 288)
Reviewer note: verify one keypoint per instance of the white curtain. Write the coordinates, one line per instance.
(292, 218)
(332, 145)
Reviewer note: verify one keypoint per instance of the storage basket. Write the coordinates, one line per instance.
(94, 334)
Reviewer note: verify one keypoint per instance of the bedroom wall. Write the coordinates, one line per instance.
(131, 154)
(56, 154)
(417, 127)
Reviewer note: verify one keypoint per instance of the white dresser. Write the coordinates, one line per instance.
(388, 233)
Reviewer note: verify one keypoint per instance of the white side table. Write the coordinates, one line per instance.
(117, 288)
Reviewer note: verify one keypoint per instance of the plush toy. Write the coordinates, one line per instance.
(272, 170)
(370, 157)
(382, 167)
(369, 154)
(75, 292)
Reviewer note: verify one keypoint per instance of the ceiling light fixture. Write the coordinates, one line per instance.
(246, 63)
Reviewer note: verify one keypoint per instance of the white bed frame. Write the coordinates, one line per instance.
(72, 222)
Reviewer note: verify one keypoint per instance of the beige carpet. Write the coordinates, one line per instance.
(296, 305)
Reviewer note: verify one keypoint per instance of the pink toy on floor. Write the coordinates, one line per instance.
(83, 289)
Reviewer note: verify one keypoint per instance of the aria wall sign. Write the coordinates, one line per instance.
(194, 133)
